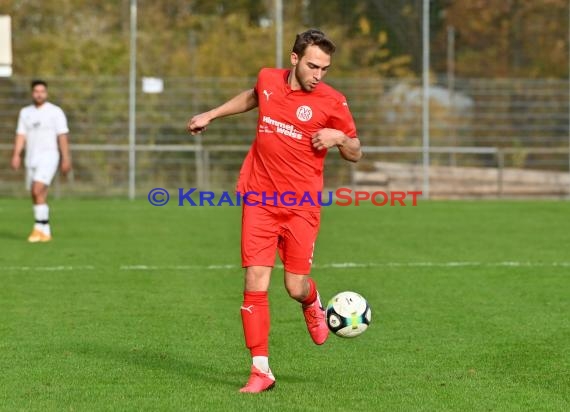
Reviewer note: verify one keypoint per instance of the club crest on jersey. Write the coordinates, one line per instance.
(304, 113)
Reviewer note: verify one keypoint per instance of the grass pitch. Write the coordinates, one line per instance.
(134, 307)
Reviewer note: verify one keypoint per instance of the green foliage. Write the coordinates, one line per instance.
(497, 38)
(235, 38)
(64, 37)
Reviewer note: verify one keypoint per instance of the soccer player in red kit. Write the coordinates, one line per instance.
(300, 118)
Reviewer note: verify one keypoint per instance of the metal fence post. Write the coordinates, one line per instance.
(353, 176)
(451, 91)
(206, 171)
(425, 99)
(500, 167)
(199, 158)
(278, 33)
(132, 99)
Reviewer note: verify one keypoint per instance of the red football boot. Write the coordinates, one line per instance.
(315, 318)
(258, 381)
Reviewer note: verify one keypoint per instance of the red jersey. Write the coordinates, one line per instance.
(282, 158)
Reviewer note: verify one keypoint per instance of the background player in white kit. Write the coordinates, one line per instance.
(42, 131)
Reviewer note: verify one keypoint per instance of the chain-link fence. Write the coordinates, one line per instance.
(488, 137)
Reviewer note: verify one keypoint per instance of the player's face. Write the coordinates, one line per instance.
(310, 69)
(39, 95)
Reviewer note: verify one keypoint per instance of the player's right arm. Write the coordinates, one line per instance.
(243, 102)
(19, 144)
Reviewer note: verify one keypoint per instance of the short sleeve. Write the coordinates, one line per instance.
(341, 119)
(61, 123)
(258, 82)
(21, 128)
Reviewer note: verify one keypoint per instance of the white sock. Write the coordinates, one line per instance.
(41, 214)
(261, 363)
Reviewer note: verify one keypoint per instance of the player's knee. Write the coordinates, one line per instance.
(257, 278)
(296, 290)
(38, 193)
(296, 293)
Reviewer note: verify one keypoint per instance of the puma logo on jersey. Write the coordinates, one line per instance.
(248, 309)
(267, 94)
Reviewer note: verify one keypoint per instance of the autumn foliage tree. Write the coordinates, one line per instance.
(495, 38)
(510, 38)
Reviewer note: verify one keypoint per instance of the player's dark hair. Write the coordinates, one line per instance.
(313, 37)
(38, 82)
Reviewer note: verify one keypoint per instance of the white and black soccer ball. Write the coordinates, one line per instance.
(348, 314)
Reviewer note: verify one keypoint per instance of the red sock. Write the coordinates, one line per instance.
(255, 320)
(312, 296)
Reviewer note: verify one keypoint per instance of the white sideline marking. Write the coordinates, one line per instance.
(348, 265)
(47, 268)
(337, 265)
(177, 267)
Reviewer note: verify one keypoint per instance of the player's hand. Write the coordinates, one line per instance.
(16, 162)
(327, 138)
(65, 166)
(199, 123)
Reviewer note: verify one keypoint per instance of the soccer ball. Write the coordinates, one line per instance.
(348, 314)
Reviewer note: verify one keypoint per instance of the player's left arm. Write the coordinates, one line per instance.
(340, 131)
(349, 147)
(62, 131)
(63, 142)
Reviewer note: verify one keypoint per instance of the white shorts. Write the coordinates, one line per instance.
(43, 171)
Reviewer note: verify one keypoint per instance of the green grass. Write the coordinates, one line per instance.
(99, 334)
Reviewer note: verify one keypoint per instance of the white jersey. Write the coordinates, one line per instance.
(41, 126)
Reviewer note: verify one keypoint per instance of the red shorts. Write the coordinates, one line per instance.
(269, 228)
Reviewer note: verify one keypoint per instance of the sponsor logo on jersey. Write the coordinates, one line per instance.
(304, 113)
(285, 129)
(264, 129)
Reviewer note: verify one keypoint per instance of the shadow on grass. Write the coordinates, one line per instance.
(151, 359)
(20, 237)
(291, 378)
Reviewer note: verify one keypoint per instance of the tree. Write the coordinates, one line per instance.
(498, 38)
